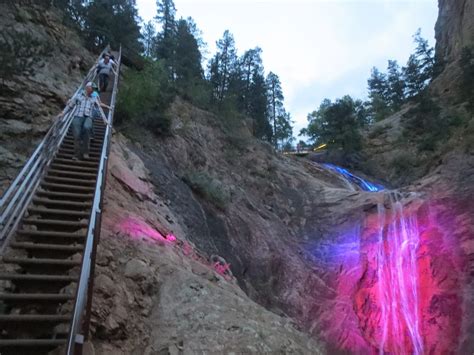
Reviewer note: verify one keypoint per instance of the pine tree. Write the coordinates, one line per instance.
(425, 56)
(258, 107)
(248, 66)
(275, 101)
(283, 129)
(420, 67)
(149, 33)
(378, 94)
(222, 66)
(396, 86)
(165, 45)
(414, 81)
(187, 61)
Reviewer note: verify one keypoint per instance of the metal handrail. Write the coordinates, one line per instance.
(17, 197)
(84, 288)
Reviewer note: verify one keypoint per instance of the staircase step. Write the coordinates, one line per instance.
(67, 150)
(89, 169)
(69, 163)
(58, 212)
(70, 143)
(31, 342)
(56, 222)
(37, 261)
(67, 186)
(44, 246)
(46, 201)
(51, 234)
(72, 173)
(69, 180)
(36, 296)
(87, 197)
(56, 318)
(38, 277)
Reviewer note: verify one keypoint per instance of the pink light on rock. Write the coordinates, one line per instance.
(138, 229)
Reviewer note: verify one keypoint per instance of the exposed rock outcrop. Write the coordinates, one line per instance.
(43, 62)
(158, 295)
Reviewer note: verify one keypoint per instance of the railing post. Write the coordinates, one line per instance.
(90, 291)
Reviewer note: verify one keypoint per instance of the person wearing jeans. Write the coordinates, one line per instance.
(103, 70)
(82, 121)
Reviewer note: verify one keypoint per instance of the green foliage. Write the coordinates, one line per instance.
(277, 114)
(378, 94)
(425, 125)
(337, 124)
(20, 52)
(222, 66)
(208, 188)
(404, 163)
(148, 35)
(388, 92)
(420, 67)
(467, 82)
(102, 22)
(188, 74)
(144, 98)
(165, 43)
(395, 86)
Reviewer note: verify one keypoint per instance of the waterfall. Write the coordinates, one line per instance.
(352, 179)
(398, 280)
(397, 301)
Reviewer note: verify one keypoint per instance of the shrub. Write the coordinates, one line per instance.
(404, 163)
(208, 188)
(424, 123)
(144, 98)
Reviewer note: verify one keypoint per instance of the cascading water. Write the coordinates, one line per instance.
(353, 179)
(396, 317)
(398, 280)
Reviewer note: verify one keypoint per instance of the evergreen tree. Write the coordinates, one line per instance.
(249, 65)
(337, 124)
(414, 81)
(275, 101)
(113, 22)
(187, 61)
(420, 67)
(165, 45)
(378, 94)
(222, 66)
(149, 33)
(396, 86)
(284, 130)
(258, 107)
(425, 56)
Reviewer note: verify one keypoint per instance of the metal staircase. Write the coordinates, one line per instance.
(49, 230)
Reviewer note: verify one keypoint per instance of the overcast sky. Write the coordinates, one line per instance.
(318, 48)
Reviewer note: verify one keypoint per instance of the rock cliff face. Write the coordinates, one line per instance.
(42, 64)
(156, 294)
(454, 28)
(454, 31)
(302, 242)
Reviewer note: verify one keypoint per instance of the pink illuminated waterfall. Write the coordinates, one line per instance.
(398, 281)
